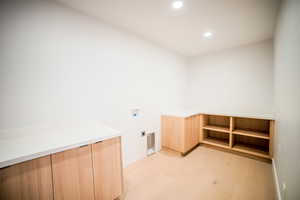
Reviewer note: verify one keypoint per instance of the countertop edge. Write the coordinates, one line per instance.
(189, 114)
(14, 161)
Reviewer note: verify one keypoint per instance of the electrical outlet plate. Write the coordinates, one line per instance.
(135, 112)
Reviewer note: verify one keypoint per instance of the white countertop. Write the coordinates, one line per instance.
(20, 145)
(188, 113)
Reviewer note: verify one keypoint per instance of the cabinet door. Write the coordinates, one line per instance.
(30, 180)
(73, 174)
(191, 134)
(172, 133)
(107, 169)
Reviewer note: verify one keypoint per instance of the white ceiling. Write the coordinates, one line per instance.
(233, 22)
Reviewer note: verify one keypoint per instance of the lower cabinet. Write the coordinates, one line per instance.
(191, 132)
(90, 172)
(73, 174)
(107, 169)
(30, 180)
(172, 132)
(179, 133)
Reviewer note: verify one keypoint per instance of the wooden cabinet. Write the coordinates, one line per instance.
(191, 134)
(107, 169)
(90, 172)
(31, 180)
(172, 132)
(180, 134)
(73, 174)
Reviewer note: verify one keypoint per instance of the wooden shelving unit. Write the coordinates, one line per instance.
(241, 134)
(246, 135)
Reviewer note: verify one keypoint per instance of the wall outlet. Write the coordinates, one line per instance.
(135, 112)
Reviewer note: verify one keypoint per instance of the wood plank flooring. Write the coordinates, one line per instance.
(204, 174)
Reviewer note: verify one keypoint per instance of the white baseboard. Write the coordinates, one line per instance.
(277, 186)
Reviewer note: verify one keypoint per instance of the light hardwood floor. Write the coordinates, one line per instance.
(203, 174)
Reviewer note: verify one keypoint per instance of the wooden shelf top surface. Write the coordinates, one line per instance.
(251, 134)
(216, 142)
(250, 150)
(216, 128)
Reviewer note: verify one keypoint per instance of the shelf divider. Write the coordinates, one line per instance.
(231, 129)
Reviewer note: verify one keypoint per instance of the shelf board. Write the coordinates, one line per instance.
(251, 134)
(216, 142)
(251, 150)
(216, 128)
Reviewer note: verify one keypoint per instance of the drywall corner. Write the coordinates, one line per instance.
(275, 175)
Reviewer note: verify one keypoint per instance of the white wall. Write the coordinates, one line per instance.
(57, 64)
(235, 81)
(287, 99)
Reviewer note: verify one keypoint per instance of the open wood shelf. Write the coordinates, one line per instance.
(217, 121)
(252, 125)
(250, 149)
(246, 135)
(217, 128)
(216, 138)
(251, 134)
(216, 142)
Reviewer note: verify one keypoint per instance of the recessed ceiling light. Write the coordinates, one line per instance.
(177, 4)
(207, 34)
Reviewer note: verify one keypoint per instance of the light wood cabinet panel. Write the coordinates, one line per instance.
(73, 174)
(203, 122)
(180, 134)
(30, 180)
(272, 131)
(172, 132)
(107, 169)
(192, 132)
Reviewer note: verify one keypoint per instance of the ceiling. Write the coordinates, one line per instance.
(232, 22)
